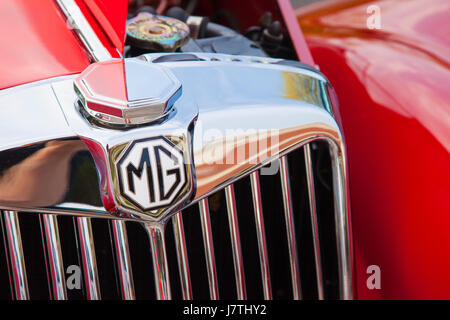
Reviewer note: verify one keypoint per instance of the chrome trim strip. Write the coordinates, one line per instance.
(160, 267)
(16, 257)
(84, 31)
(260, 232)
(235, 242)
(182, 256)
(342, 219)
(55, 264)
(314, 224)
(209, 249)
(123, 259)
(89, 260)
(290, 228)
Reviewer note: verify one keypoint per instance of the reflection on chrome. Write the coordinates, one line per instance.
(314, 223)
(160, 267)
(123, 259)
(290, 228)
(235, 243)
(261, 234)
(16, 257)
(209, 249)
(88, 258)
(55, 264)
(183, 263)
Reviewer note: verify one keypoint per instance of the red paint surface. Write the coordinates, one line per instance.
(36, 43)
(94, 18)
(107, 18)
(393, 88)
(111, 15)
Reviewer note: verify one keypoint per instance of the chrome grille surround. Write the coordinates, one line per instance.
(292, 101)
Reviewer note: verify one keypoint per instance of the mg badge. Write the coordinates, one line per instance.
(151, 175)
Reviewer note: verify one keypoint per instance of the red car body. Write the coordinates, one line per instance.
(393, 90)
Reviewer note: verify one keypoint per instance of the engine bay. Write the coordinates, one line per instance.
(161, 26)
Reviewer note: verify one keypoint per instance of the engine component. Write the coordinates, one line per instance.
(197, 24)
(177, 13)
(235, 45)
(272, 38)
(220, 39)
(148, 9)
(156, 33)
(179, 31)
(269, 36)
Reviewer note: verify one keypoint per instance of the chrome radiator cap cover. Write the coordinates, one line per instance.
(117, 92)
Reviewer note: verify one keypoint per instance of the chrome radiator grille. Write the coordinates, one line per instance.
(263, 237)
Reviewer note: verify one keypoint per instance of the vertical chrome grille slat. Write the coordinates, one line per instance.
(123, 259)
(261, 235)
(341, 220)
(160, 267)
(182, 257)
(235, 242)
(314, 223)
(16, 257)
(88, 257)
(55, 261)
(209, 249)
(290, 227)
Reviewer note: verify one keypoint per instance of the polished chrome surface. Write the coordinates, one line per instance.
(224, 98)
(31, 114)
(86, 239)
(209, 249)
(39, 175)
(85, 32)
(55, 264)
(182, 256)
(290, 228)
(344, 245)
(18, 271)
(261, 234)
(160, 267)
(235, 243)
(126, 98)
(314, 224)
(123, 259)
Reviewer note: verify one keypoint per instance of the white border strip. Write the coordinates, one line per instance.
(87, 35)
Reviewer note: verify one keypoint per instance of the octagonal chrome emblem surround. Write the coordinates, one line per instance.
(127, 92)
(151, 176)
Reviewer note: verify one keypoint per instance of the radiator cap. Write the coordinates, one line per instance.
(127, 92)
